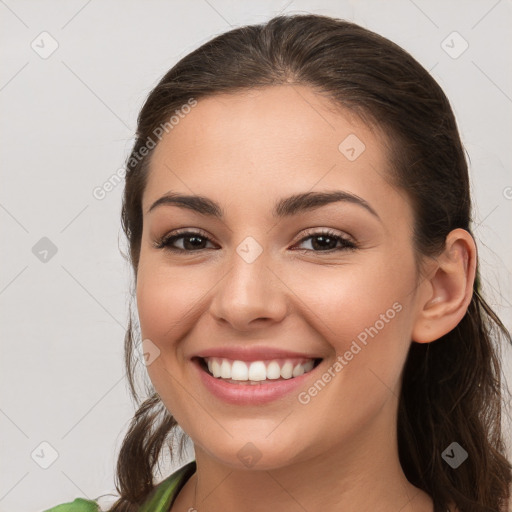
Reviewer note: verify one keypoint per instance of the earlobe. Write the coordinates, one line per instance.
(449, 289)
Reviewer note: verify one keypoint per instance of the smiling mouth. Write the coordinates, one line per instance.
(256, 372)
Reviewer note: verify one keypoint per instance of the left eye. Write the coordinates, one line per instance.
(328, 241)
(323, 241)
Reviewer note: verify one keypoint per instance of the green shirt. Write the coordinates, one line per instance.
(160, 499)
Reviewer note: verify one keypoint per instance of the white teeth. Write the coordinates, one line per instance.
(308, 366)
(287, 370)
(273, 370)
(258, 370)
(239, 371)
(298, 370)
(225, 369)
(215, 368)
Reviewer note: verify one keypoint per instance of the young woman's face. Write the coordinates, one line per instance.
(255, 278)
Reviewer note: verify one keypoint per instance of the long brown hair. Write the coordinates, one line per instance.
(452, 387)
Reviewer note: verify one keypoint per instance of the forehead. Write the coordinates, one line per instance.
(271, 141)
(263, 122)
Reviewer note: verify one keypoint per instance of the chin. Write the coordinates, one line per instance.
(261, 453)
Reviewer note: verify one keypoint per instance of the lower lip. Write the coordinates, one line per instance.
(248, 394)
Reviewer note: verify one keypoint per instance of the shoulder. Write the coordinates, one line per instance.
(159, 500)
(78, 505)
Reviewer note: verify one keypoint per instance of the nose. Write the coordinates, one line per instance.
(250, 295)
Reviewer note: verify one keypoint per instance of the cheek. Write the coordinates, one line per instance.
(165, 300)
(363, 315)
(362, 311)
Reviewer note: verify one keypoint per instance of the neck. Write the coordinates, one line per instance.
(362, 473)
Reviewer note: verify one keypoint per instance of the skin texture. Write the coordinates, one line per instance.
(338, 451)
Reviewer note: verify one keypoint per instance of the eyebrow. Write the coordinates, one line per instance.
(285, 207)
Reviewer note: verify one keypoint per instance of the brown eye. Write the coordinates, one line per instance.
(324, 241)
(192, 241)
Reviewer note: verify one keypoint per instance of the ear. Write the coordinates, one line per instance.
(446, 294)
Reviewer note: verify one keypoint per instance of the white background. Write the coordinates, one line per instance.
(67, 124)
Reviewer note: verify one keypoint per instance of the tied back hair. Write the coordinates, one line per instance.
(452, 387)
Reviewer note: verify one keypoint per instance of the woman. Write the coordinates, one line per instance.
(297, 208)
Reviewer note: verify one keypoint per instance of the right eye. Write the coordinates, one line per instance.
(192, 241)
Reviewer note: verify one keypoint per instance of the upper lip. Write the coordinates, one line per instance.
(252, 353)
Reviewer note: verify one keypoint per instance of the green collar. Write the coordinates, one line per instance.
(164, 494)
(160, 499)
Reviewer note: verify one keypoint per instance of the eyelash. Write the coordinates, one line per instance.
(166, 241)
